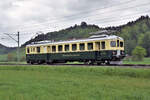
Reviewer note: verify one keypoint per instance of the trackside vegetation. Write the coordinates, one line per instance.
(138, 53)
(73, 83)
(130, 61)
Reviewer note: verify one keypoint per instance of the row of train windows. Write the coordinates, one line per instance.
(74, 47)
(81, 47)
(37, 49)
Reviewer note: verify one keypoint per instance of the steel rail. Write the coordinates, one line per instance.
(83, 65)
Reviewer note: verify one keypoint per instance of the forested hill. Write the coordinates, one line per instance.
(135, 33)
(76, 31)
(5, 50)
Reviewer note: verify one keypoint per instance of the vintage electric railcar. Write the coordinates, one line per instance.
(95, 49)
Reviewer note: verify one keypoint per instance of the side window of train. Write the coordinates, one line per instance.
(121, 44)
(53, 48)
(67, 47)
(103, 45)
(74, 47)
(38, 49)
(28, 50)
(90, 46)
(82, 46)
(117, 43)
(60, 48)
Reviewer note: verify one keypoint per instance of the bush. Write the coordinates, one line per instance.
(138, 53)
(10, 57)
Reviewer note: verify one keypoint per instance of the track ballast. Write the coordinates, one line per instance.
(84, 65)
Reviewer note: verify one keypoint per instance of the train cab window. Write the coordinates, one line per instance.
(67, 47)
(38, 49)
(28, 50)
(90, 46)
(97, 45)
(53, 48)
(82, 46)
(117, 43)
(121, 44)
(74, 47)
(113, 43)
(60, 48)
(103, 45)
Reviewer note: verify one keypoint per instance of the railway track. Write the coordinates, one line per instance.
(83, 65)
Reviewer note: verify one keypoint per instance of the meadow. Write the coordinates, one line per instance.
(145, 61)
(73, 83)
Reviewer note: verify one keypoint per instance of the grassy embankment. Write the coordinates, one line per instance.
(145, 61)
(73, 83)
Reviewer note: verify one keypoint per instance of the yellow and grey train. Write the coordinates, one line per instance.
(93, 50)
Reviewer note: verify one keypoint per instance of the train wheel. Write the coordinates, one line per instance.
(39, 62)
(91, 62)
(28, 62)
(98, 63)
(49, 62)
(86, 63)
(107, 62)
(31, 62)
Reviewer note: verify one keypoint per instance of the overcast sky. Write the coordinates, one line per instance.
(32, 16)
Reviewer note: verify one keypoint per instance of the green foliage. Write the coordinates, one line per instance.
(145, 42)
(136, 33)
(10, 57)
(138, 53)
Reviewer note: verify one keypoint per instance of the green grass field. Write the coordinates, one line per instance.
(73, 83)
(145, 61)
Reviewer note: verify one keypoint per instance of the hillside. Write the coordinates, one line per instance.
(135, 33)
(5, 50)
(76, 31)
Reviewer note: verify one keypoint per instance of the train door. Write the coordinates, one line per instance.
(97, 44)
(48, 54)
(97, 47)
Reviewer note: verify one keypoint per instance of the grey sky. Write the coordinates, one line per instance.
(31, 16)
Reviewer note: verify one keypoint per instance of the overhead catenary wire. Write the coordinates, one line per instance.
(74, 15)
(95, 14)
(89, 16)
(112, 19)
(91, 10)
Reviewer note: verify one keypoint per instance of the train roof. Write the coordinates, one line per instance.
(92, 38)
